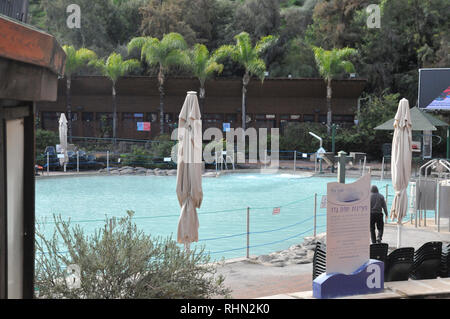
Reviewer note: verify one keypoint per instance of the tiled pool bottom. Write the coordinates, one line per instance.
(223, 215)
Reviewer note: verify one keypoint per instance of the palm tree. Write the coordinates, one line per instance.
(332, 63)
(75, 60)
(249, 56)
(202, 65)
(164, 54)
(115, 67)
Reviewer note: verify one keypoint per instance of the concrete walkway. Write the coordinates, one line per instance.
(248, 279)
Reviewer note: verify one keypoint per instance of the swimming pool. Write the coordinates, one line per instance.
(223, 215)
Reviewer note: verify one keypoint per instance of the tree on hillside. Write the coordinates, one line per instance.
(249, 57)
(75, 60)
(105, 24)
(332, 63)
(202, 65)
(164, 54)
(115, 67)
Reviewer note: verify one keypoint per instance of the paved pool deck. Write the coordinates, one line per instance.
(248, 279)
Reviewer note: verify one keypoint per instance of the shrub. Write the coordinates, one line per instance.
(138, 157)
(121, 261)
(45, 138)
(162, 146)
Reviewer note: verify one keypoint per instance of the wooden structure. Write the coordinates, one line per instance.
(273, 103)
(30, 62)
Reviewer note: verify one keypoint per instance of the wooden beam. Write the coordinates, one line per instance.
(26, 82)
(29, 206)
(3, 213)
(24, 43)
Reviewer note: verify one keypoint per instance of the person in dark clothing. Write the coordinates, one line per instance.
(377, 205)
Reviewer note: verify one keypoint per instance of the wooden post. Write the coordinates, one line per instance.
(295, 159)
(248, 232)
(315, 213)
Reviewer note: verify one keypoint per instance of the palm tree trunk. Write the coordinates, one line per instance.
(245, 81)
(329, 113)
(161, 100)
(202, 101)
(114, 102)
(69, 108)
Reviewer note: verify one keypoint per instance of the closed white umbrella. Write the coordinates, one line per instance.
(63, 139)
(401, 163)
(189, 169)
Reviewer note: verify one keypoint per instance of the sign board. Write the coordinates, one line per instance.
(144, 126)
(323, 202)
(58, 148)
(304, 155)
(416, 146)
(226, 127)
(348, 222)
(276, 211)
(138, 115)
(167, 159)
(434, 89)
(60, 155)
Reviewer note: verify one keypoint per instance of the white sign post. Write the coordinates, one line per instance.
(348, 225)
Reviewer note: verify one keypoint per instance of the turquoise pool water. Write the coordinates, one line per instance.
(223, 215)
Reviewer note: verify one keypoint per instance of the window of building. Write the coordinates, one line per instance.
(168, 117)
(323, 118)
(87, 116)
(343, 118)
(210, 118)
(230, 118)
(260, 117)
(152, 117)
(51, 115)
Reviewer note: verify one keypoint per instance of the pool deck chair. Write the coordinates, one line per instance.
(445, 261)
(379, 251)
(398, 264)
(427, 261)
(319, 260)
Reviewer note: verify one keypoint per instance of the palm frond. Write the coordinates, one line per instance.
(265, 43)
(137, 43)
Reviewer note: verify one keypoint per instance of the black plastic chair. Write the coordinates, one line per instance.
(379, 252)
(445, 261)
(319, 260)
(398, 264)
(427, 261)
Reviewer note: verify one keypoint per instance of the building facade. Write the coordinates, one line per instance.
(272, 103)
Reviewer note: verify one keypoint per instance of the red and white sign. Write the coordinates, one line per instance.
(276, 211)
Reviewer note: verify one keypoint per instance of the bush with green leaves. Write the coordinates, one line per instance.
(45, 138)
(139, 156)
(120, 261)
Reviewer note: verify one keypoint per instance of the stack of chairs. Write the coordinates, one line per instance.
(398, 264)
(445, 262)
(427, 261)
(379, 252)
(319, 260)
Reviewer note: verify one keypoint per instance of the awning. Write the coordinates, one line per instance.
(420, 120)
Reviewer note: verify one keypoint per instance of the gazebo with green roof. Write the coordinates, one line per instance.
(421, 121)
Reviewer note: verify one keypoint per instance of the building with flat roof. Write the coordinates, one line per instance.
(270, 104)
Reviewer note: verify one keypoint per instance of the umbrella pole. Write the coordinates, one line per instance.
(187, 247)
(399, 234)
